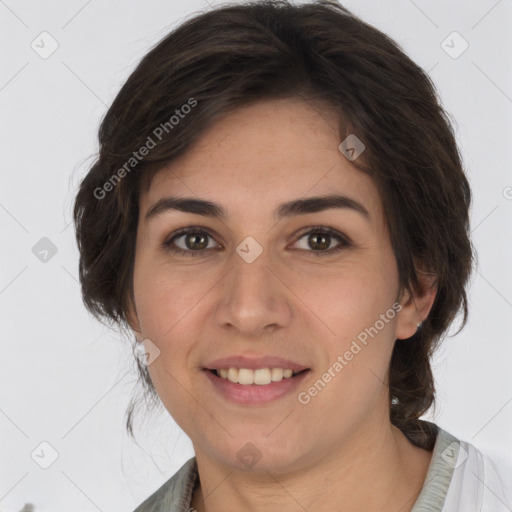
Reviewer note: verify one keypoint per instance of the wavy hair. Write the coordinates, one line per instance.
(234, 55)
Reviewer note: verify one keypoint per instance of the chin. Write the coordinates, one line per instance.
(259, 454)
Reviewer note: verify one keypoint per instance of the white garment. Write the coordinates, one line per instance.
(477, 485)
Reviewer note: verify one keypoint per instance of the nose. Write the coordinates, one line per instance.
(254, 298)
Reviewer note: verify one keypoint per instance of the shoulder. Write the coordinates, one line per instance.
(175, 494)
(461, 478)
(477, 482)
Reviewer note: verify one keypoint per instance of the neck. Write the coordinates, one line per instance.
(383, 472)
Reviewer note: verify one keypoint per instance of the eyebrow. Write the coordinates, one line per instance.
(289, 209)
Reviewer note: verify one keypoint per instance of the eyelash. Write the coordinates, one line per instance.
(343, 240)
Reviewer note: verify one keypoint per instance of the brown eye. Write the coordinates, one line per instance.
(196, 242)
(319, 240)
(189, 241)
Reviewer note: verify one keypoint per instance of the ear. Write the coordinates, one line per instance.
(416, 307)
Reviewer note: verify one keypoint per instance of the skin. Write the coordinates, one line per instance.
(289, 302)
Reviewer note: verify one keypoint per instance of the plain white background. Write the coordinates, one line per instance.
(65, 379)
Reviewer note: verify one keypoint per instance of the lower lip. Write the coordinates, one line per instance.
(255, 394)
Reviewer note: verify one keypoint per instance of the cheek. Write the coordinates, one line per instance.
(164, 297)
(167, 306)
(356, 323)
(347, 299)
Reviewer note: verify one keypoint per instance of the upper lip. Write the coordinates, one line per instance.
(255, 363)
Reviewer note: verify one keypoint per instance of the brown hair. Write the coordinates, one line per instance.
(234, 55)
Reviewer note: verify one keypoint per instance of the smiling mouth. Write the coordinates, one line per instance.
(260, 376)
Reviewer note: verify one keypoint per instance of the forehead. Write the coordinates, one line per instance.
(266, 154)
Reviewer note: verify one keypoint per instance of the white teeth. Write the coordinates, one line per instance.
(245, 376)
(261, 376)
(233, 374)
(277, 374)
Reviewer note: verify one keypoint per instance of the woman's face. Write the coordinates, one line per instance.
(301, 288)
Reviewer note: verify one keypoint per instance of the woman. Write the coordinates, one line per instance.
(279, 213)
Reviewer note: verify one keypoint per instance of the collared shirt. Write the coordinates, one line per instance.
(459, 479)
